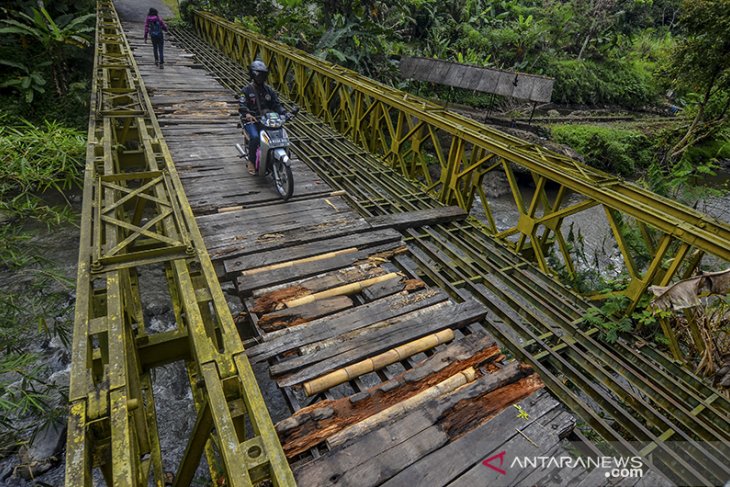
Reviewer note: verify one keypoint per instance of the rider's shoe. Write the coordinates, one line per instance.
(251, 169)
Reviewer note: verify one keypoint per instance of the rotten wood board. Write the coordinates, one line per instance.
(273, 297)
(299, 315)
(343, 322)
(448, 463)
(314, 424)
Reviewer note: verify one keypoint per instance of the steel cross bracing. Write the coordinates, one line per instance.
(626, 394)
(135, 215)
(409, 132)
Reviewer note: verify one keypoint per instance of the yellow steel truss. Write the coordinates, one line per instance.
(411, 133)
(135, 214)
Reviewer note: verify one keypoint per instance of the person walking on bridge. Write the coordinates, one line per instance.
(154, 25)
(257, 99)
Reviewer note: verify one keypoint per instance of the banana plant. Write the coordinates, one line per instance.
(27, 81)
(54, 35)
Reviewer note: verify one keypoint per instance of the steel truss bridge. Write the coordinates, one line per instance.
(136, 214)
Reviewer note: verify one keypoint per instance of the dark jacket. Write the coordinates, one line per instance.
(268, 101)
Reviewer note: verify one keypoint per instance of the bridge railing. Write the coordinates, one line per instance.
(411, 134)
(135, 215)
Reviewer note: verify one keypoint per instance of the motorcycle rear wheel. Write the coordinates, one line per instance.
(283, 180)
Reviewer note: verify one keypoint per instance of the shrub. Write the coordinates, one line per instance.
(628, 84)
(619, 151)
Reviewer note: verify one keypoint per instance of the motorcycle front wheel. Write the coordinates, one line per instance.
(283, 180)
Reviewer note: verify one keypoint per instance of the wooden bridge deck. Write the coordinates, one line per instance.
(325, 288)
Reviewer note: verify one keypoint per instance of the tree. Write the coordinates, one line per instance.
(701, 64)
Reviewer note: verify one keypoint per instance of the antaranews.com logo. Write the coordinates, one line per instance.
(614, 467)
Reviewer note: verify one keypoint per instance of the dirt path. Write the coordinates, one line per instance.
(136, 10)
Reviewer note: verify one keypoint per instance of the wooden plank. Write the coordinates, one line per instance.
(447, 463)
(418, 218)
(378, 340)
(333, 466)
(302, 314)
(535, 439)
(346, 342)
(278, 296)
(343, 322)
(242, 244)
(316, 423)
(359, 240)
(247, 284)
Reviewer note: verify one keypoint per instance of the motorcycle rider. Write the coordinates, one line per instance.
(257, 99)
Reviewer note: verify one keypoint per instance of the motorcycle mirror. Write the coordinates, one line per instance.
(237, 96)
(295, 110)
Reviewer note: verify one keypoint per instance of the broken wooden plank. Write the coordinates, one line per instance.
(345, 290)
(334, 466)
(327, 263)
(303, 314)
(371, 342)
(381, 453)
(313, 424)
(275, 297)
(377, 362)
(343, 322)
(418, 218)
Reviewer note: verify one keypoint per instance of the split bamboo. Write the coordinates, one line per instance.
(345, 290)
(291, 263)
(377, 362)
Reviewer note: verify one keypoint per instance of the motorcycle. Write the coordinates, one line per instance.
(273, 155)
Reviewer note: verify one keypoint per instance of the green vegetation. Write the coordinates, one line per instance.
(44, 53)
(615, 150)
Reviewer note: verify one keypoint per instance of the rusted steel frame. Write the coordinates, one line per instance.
(568, 325)
(669, 385)
(125, 377)
(629, 423)
(111, 395)
(559, 388)
(474, 242)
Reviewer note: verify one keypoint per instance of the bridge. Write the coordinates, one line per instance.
(379, 335)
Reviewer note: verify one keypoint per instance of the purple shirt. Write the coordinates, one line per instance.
(151, 19)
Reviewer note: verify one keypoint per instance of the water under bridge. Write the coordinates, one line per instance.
(368, 331)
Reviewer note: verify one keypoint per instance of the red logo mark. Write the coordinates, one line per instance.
(487, 462)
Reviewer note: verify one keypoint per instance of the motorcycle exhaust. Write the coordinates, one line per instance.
(241, 151)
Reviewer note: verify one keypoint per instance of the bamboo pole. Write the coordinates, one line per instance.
(345, 290)
(230, 208)
(403, 407)
(377, 362)
(291, 263)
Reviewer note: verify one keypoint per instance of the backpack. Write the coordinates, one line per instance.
(156, 28)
